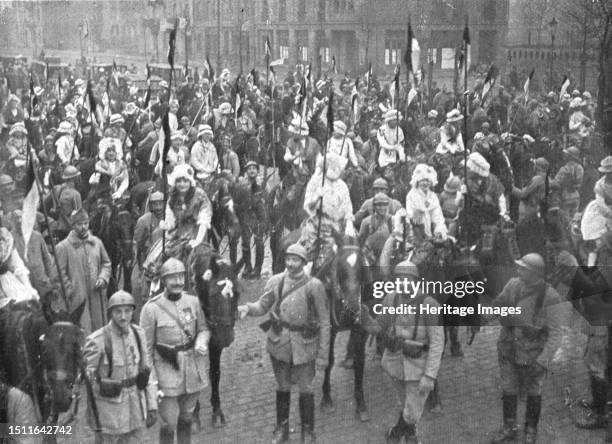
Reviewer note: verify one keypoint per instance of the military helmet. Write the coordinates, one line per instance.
(533, 262)
(120, 298)
(171, 266)
(297, 250)
(70, 172)
(381, 199)
(157, 196)
(5, 179)
(380, 183)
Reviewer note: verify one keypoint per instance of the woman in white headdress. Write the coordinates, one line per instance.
(111, 174)
(14, 276)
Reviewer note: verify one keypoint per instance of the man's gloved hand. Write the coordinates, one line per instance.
(151, 418)
(426, 384)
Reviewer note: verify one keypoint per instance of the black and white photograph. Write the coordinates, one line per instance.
(305, 221)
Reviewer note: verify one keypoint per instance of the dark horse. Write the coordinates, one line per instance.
(215, 283)
(351, 281)
(224, 220)
(112, 222)
(41, 355)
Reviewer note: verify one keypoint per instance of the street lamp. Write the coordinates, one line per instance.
(553, 28)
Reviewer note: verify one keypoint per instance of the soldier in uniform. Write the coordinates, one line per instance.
(301, 150)
(298, 337)
(413, 352)
(8, 201)
(177, 344)
(430, 134)
(568, 181)
(251, 212)
(64, 199)
(526, 344)
(533, 193)
(116, 359)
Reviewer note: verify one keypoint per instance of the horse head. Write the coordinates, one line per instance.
(352, 271)
(61, 359)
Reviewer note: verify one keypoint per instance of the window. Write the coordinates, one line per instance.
(284, 51)
(301, 9)
(282, 10)
(393, 45)
(303, 52)
(432, 56)
(324, 53)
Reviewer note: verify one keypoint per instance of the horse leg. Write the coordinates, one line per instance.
(218, 418)
(359, 345)
(327, 405)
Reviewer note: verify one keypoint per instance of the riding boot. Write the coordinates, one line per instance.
(307, 416)
(532, 417)
(259, 258)
(281, 432)
(597, 417)
(509, 430)
(395, 434)
(455, 344)
(183, 432)
(410, 434)
(166, 435)
(233, 251)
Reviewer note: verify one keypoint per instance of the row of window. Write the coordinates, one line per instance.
(543, 55)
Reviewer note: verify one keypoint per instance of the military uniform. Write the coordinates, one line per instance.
(569, 180)
(172, 330)
(122, 417)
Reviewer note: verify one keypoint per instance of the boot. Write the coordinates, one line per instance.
(509, 430)
(532, 417)
(259, 258)
(455, 344)
(183, 432)
(281, 432)
(307, 408)
(597, 416)
(166, 435)
(395, 434)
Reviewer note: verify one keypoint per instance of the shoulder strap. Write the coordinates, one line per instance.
(138, 344)
(108, 349)
(176, 320)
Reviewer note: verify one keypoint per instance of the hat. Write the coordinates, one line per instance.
(13, 98)
(171, 266)
(605, 165)
(225, 72)
(528, 138)
(182, 171)
(163, 84)
(204, 129)
(79, 215)
(406, 269)
(533, 262)
(541, 163)
(38, 91)
(133, 90)
(70, 172)
(225, 108)
(479, 136)
(298, 127)
(478, 164)
(586, 95)
(392, 114)
(251, 163)
(5, 179)
(566, 97)
(380, 183)
(423, 172)
(551, 95)
(104, 145)
(176, 135)
(380, 199)
(130, 108)
(297, 250)
(334, 166)
(452, 185)
(78, 82)
(575, 93)
(18, 128)
(119, 299)
(576, 103)
(116, 118)
(157, 196)
(70, 110)
(573, 152)
(433, 114)
(320, 84)
(339, 127)
(485, 125)
(65, 128)
(454, 116)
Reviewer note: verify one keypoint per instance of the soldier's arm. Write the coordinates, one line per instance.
(557, 316)
(148, 323)
(92, 354)
(320, 302)
(105, 264)
(151, 390)
(203, 331)
(266, 300)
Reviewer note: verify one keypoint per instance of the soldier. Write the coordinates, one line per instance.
(146, 233)
(301, 150)
(177, 344)
(116, 359)
(568, 181)
(251, 212)
(430, 134)
(379, 186)
(63, 200)
(413, 353)
(298, 337)
(67, 151)
(534, 193)
(8, 201)
(378, 220)
(526, 344)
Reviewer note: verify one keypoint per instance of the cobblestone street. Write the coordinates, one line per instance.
(469, 390)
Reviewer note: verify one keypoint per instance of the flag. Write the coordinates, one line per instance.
(172, 46)
(368, 75)
(30, 204)
(332, 66)
(148, 75)
(210, 72)
(46, 73)
(412, 56)
(330, 111)
(85, 28)
(411, 95)
(564, 86)
(301, 98)
(238, 99)
(33, 98)
(268, 48)
(164, 143)
(394, 88)
(464, 57)
(308, 75)
(115, 73)
(526, 86)
(489, 82)
(147, 98)
(91, 101)
(354, 100)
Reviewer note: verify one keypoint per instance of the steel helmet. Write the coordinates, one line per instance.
(120, 298)
(406, 269)
(70, 172)
(381, 199)
(533, 262)
(171, 266)
(5, 179)
(297, 250)
(380, 183)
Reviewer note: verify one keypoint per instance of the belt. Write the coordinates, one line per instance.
(184, 347)
(298, 328)
(129, 382)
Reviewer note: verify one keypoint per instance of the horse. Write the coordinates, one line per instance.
(346, 291)
(41, 355)
(224, 220)
(215, 282)
(113, 224)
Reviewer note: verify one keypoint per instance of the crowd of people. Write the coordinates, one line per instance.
(391, 169)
